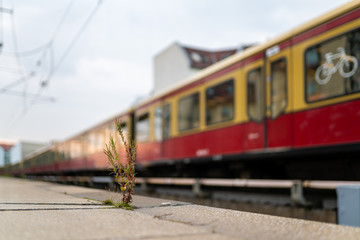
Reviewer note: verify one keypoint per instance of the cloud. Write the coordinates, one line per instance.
(114, 76)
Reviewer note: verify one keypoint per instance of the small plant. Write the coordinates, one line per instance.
(123, 205)
(108, 201)
(124, 173)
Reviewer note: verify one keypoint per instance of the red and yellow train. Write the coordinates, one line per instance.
(288, 108)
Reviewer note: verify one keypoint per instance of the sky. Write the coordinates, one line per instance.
(68, 65)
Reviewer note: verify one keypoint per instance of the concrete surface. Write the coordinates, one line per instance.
(39, 210)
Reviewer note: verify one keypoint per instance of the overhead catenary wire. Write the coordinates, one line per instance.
(29, 52)
(62, 20)
(75, 39)
(48, 53)
(11, 70)
(50, 42)
(17, 82)
(2, 10)
(30, 95)
(14, 38)
(24, 78)
(55, 67)
(1, 26)
(49, 46)
(17, 59)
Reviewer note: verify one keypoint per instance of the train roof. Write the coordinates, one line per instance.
(38, 152)
(100, 125)
(253, 50)
(54, 144)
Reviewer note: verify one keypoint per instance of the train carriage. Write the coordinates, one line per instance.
(293, 97)
(287, 108)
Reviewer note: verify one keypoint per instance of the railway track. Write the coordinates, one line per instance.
(213, 182)
(309, 199)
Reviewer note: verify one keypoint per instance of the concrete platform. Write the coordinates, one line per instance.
(40, 210)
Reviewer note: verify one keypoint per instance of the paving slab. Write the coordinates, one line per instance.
(89, 224)
(244, 225)
(40, 210)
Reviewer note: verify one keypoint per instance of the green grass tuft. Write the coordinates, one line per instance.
(124, 205)
(108, 201)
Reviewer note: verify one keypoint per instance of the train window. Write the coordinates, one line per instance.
(188, 112)
(110, 131)
(95, 142)
(67, 151)
(61, 151)
(167, 118)
(47, 157)
(76, 148)
(278, 87)
(158, 124)
(38, 160)
(220, 102)
(143, 128)
(255, 95)
(332, 67)
(162, 123)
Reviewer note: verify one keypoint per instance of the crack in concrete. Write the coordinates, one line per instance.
(163, 217)
(50, 209)
(60, 204)
(164, 206)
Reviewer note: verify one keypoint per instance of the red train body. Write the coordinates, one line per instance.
(264, 112)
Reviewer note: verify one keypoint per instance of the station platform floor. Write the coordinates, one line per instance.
(41, 210)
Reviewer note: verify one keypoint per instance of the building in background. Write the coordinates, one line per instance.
(178, 62)
(14, 152)
(5, 152)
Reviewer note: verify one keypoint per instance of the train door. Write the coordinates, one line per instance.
(278, 119)
(267, 83)
(162, 128)
(254, 128)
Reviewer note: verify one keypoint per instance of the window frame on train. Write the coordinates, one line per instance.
(162, 117)
(211, 98)
(273, 96)
(193, 113)
(143, 136)
(166, 127)
(261, 111)
(313, 85)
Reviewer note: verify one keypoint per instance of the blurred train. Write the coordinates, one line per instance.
(288, 108)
